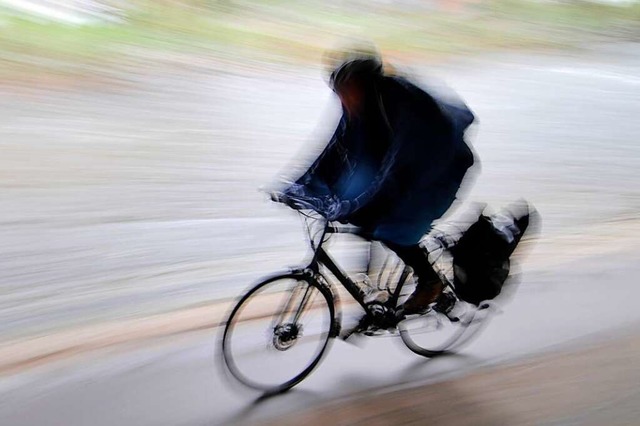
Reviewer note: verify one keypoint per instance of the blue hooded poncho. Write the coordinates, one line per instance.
(400, 164)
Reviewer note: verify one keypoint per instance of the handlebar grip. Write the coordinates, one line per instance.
(281, 197)
(299, 202)
(276, 196)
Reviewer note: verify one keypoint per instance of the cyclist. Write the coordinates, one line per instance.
(394, 163)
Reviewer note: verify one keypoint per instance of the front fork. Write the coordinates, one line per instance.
(335, 299)
(312, 274)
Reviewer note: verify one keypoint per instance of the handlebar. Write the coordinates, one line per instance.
(296, 202)
(319, 205)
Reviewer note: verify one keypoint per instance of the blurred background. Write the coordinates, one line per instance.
(134, 136)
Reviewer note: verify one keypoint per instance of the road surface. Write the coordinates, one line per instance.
(178, 380)
(120, 204)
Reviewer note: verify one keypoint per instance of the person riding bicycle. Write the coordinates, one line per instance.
(394, 164)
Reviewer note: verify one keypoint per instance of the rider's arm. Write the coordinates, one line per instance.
(325, 170)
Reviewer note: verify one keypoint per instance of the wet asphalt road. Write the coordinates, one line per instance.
(118, 204)
(178, 380)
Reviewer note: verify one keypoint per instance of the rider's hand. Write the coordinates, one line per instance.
(338, 211)
(276, 196)
(296, 190)
(293, 190)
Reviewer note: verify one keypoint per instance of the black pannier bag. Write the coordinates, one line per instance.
(481, 256)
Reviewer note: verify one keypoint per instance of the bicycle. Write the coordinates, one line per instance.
(297, 313)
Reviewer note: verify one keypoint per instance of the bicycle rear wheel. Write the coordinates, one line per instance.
(278, 332)
(434, 333)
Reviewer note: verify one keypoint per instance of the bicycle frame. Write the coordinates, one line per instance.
(286, 326)
(322, 258)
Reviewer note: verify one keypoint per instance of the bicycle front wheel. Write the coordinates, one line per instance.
(278, 332)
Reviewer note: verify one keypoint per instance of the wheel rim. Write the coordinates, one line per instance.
(278, 333)
(435, 334)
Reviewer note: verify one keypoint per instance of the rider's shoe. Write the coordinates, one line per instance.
(445, 303)
(422, 297)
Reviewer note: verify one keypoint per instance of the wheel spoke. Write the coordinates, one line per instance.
(278, 332)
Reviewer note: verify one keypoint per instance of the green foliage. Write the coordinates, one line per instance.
(296, 30)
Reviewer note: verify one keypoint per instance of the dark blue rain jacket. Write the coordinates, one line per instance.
(400, 165)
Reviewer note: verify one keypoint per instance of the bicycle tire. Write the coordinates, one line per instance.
(259, 320)
(464, 331)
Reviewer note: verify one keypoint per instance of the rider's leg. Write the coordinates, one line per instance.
(429, 285)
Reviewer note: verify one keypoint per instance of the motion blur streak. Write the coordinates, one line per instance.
(134, 136)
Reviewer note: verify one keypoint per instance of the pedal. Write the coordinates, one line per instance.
(401, 316)
(356, 340)
(445, 303)
(363, 324)
(378, 322)
(374, 331)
